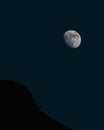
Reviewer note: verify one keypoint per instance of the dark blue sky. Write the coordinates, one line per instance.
(67, 84)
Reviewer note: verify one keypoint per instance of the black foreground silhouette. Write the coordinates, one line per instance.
(18, 109)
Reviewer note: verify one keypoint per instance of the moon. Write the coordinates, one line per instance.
(72, 38)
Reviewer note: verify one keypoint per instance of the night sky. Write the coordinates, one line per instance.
(68, 84)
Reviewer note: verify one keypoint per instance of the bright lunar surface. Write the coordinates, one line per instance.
(72, 38)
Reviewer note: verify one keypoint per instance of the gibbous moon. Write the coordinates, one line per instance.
(72, 38)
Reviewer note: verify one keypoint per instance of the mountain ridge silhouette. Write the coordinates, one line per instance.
(20, 110)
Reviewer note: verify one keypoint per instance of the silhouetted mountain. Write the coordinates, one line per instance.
(19, 110)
